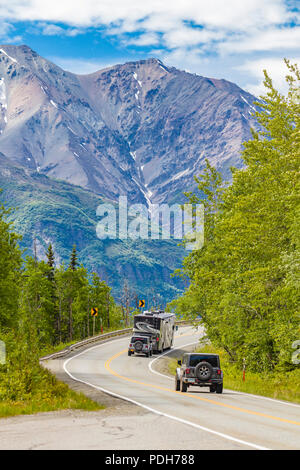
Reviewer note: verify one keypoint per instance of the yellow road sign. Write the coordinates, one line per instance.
(141, 303)
(94, 312)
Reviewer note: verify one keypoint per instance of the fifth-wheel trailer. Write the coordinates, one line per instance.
(159, 325)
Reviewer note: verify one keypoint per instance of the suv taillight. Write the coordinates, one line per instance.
(146, 347)
(187, 371)
(219, 372)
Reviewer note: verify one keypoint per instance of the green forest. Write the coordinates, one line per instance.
(43, 309)
(244, 282)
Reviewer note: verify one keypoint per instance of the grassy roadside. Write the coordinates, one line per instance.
(36, 390)
(27, 388)
(281, 386)
(59, 347)
(70, 400)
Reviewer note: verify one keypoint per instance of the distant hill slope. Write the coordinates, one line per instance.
(64, 214)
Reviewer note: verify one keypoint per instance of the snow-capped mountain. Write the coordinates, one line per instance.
(141, 129)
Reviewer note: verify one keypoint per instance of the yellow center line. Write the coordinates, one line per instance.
(207, 400)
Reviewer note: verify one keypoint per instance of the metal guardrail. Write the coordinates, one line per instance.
(95, 339)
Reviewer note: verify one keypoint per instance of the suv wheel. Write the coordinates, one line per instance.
(177, 384)
(203, 371)
(183, 386)
(138, 346)
(212, 389)
(129, 353)
(219, 388)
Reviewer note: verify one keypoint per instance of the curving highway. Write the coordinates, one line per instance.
(231, 420)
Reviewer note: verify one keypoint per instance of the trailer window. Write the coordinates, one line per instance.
(147, 324)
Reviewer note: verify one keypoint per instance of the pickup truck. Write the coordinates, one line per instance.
(201, 370)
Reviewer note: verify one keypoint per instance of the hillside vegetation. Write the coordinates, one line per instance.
(41, 307)
(245, 281)
(63, 214)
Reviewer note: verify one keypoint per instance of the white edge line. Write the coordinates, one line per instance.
(251, 395)
(165, 354)
(175, 418)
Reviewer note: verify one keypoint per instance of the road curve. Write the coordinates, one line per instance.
(231, 420)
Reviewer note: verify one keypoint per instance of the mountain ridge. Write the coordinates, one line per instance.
(140, 128)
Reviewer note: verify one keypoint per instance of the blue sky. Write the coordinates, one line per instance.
(231, 39)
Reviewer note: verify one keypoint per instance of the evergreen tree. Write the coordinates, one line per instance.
(73, 260)
(37, 300)
(51, 261)
(10, 272)
(51, 276)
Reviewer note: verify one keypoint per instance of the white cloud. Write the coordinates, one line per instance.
(5, 29)
(184, 59)
(188, 37)
(80, 66)
(53, 30)
(6, 33)
(239, 26)
(228, 32)
(147, 39)
(275, 68)
(274, 39)
(229, 14)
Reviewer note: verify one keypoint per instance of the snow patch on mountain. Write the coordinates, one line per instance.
(146, 193)
(10, 58)
(244, 99)
(138, 81)
(3, 104)
(54, 104)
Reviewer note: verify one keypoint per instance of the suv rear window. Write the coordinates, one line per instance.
(196, 358)
(143, 340)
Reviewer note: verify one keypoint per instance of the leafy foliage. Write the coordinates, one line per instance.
(10, 265)
(42, 306)
(245, 280)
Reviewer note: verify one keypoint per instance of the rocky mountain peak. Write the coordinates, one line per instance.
(141, 128)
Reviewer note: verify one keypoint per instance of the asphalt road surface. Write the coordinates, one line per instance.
(246, 420)
(163, 418)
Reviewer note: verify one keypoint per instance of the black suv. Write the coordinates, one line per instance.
(198, 369)
(140, 344)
